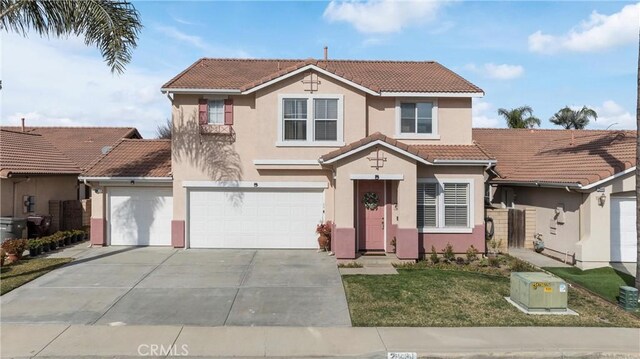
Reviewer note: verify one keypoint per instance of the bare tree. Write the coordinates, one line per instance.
(164, 130)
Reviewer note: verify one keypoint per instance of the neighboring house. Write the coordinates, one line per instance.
(264, 150)
(42, 164)
(581, 183)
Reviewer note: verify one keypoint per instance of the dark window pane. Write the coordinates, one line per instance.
(295, 130)
(408, 110)
(408, 125)
(326, 130)
(294, 108)
(424, 125)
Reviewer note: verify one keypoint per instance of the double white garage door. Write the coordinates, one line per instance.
(254, 218)
(217, 218)
(623, 230)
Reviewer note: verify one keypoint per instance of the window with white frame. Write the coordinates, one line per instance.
(216, 112)
(443, 205)
(416, 118)
(310, 120)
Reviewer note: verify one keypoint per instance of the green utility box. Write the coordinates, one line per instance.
(628, 298)
(539, 292)
(11, 227)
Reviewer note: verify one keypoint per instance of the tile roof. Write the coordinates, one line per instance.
(391, 76)
(134, 158)
(429, 153)
(27, 153)
(578, 157)
(83, 145)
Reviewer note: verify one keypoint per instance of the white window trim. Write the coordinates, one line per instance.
(440, 206)
(310, 141)
(434, 135)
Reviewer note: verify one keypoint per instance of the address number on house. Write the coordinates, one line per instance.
(406, 355)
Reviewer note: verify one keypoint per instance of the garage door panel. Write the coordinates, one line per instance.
(254, 218)
(140, 216)
(623, 230)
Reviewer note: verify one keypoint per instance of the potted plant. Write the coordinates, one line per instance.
(3, 256)
(33, 245)
(44, 244)
(324, 238)
(393, 244)
(14, 248)
(53, 242)
(538, 243)
(66, 237)
(494, 248)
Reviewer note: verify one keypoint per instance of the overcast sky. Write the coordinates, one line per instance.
(543, 54)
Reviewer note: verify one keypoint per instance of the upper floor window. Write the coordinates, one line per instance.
(216, 112)
(416, 119)
(310, 120)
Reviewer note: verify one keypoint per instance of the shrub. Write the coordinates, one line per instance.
(494, 262)
(460, 260)
(447, 253)
(434, 255)
(15, 246)
(324, 229)
(33, 243)
(518, 265)
(472, 254)
(484, 262)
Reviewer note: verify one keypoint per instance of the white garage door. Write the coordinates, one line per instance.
(623, 230)
(254, 218)
(140, 216)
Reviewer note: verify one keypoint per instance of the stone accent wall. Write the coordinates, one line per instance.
(500, 226)
(86, 212)
(530, 227)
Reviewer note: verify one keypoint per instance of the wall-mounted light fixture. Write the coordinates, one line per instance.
(377, 177)
(97, 190)
(132, 182)
(602, 199)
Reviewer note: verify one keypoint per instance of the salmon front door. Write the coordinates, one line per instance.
(370, 217)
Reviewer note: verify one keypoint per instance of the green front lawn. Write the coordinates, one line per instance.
(603, 281)
(14, 275)
(451, 298)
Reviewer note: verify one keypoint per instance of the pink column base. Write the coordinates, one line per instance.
(97, 232)
(407, 243)
(177, 233)
(344, 243)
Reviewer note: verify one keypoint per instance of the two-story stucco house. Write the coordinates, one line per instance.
(264, 150)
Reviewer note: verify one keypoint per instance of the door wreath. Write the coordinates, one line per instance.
(370, 200)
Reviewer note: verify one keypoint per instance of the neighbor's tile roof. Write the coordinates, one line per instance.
(83, 145)
(392, 76)
(134, 158)
(27, 153)
(558, 156)
(427, 152)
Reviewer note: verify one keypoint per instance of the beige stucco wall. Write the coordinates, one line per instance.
(44, 188)
(475, 173)
(197, 157)
(454, 119)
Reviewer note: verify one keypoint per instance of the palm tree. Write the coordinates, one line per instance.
(112, 26)
(519, 117)
(577, 119)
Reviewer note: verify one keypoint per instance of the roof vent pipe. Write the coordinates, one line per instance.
(23, 129)
(326, 53)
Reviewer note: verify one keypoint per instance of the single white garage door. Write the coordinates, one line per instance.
(623, 230)
(140, 216)
(254, 218)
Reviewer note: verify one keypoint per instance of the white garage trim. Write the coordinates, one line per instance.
(246, 184)
(623, 230)
(126, 179)
(396, 177)
(130, 221)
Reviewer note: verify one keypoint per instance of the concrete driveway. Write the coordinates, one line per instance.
(165, 286)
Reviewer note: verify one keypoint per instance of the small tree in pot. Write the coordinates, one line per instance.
(14, 248)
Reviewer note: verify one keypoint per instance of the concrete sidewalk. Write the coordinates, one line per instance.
(537, 259)
(24, 340)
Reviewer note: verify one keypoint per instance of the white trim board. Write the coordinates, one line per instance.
(610, 178)
(230, 185)
(126, 179)
(431, 94)
(286, 162)
(375, 143)
(393, 177)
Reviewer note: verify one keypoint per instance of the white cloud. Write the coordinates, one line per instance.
(200, 43)
(497, 71)
(382, 16)
(483, 114)
(51, 82)
(598, 33)
(611, 114)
